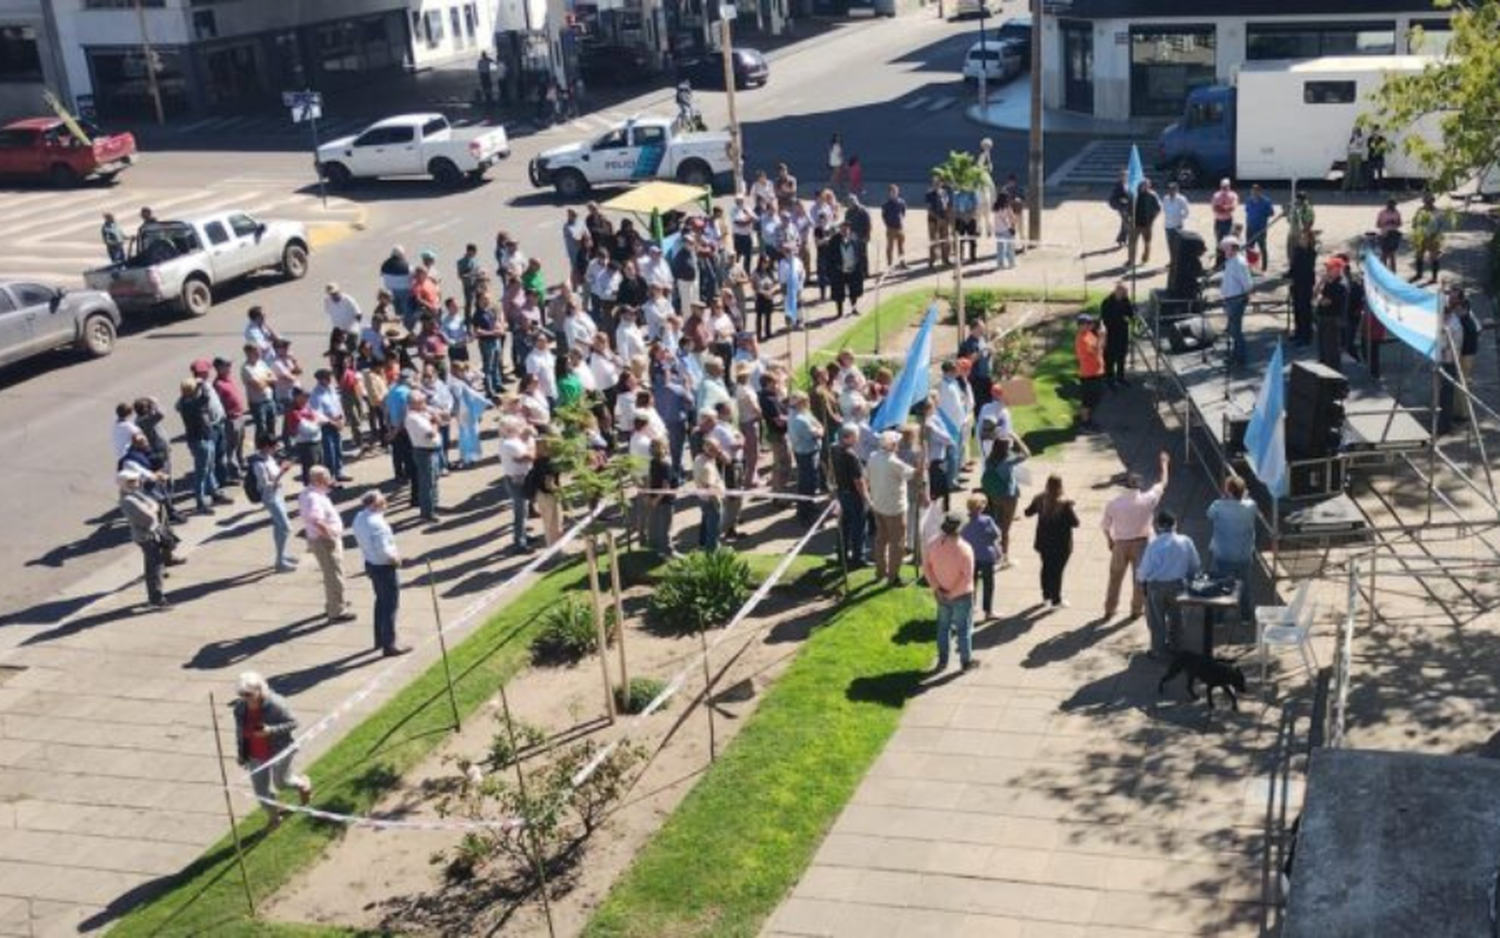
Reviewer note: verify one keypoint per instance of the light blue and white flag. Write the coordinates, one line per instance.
(1265, 437)
(1134, 175)
(1411, 314)
(793, 290)
(912, 384)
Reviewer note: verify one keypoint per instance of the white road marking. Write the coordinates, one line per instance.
(197, 205)
(939, 104)
(914, 103)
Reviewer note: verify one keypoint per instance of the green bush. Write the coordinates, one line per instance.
(700, 590)
(641, 692)
(502, 753)
(567, 634)
(983, 303)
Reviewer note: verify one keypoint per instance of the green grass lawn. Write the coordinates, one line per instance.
(748, 829)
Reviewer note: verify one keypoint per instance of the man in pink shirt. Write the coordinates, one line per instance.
(324, 530)
(1127, 528)
(949, 568)
(1224, 203)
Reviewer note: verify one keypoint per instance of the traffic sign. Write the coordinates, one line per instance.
(294, 99)
(306, 112)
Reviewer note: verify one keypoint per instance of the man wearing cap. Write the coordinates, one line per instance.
(888, 479)
(343, 318)
(1127, 527)
(1332, 309)
(1235, 288)
(377, 544)
(231, 444)
(325, 401)
(195, 405)
(423, 426)
(948, 565)
(1224, 203)
(260, 390)
(1167, 565)
(323, 529)
(143, 513)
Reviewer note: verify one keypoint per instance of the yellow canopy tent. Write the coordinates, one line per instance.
(650, 201)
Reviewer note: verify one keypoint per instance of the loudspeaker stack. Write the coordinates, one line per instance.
(1314, 426)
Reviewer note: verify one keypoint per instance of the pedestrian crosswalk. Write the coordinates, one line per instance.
(1100, 163)
(929, 103)
(53, 236)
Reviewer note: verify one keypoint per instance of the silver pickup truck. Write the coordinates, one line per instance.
(180, 262)
(35, 318)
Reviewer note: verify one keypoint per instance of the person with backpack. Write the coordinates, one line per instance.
(1002, 487)
(263, 475)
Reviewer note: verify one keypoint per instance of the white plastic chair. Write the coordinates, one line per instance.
(1280, 636)
(1283, 615)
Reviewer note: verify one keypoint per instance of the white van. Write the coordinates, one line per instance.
(999, 60)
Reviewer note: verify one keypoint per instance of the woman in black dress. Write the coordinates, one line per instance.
(1055, 521)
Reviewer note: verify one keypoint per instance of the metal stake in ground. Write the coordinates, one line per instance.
(234, 826)
(708, 696)
(614, 585)
(536, 846)
(598, 604)
(443, 647)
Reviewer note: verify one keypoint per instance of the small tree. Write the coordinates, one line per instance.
(1457, 90)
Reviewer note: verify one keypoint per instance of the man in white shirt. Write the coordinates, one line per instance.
(517, 452)
(1174, 213)
(343, 318)
(996, 416)
(377, 543)
(956, 403)
(656, 310)
(1235, 288)
(888, 477)
(656, 270)
(1127, 526)
(324, 531)
(604, 365)
(578, 329)
(123, 431)
(793, 277)
(542, 362)
(423, 427)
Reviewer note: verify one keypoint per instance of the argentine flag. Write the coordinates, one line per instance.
(911, 385)
(1265, 437)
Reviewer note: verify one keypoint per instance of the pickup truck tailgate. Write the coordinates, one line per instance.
(124, 283)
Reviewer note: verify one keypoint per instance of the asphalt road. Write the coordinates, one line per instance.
(890, 87)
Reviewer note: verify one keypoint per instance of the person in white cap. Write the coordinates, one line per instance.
(1235, 289)
(263, 729)
(150, 534)
(343, 318)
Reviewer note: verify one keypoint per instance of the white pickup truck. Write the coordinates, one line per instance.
(414, 145)
(642, 148)
(181, 262)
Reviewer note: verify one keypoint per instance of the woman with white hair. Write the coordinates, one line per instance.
(263, 729)
(986, 163)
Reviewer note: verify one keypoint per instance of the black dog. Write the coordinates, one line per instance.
(1213, 672)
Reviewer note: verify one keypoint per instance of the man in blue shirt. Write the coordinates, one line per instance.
(1258, 212)
(325, 400)
(395, 420)
(1231, 549)
(1170, 560)
(893, 215)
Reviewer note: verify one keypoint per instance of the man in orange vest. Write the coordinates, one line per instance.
(1088, 345)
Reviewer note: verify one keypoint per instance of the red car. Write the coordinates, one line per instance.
(43, 149)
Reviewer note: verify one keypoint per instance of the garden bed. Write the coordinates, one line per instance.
(387, 881)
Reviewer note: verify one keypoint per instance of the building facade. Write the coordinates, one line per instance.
(1137, 59)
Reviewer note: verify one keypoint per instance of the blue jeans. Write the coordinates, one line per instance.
(956, 615)
(807, 484)
(281, 527)
(852, 525)
(1005, 251)
(427, 481)
(708, 530)
(333, 451)
(489, 357)
(204, 486)
(1234, 312)
(387, 586)
(516, 488)
(1240, 570)
(263, 416)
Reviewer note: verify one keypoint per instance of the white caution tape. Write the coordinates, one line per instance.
(468, 617)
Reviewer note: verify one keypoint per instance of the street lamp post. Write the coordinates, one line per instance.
(1034, 160)
(150, 63)
(984, 62)
(727, 12)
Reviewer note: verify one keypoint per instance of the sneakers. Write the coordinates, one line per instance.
(346, 616)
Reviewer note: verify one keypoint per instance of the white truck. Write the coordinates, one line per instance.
(642, 148)
(414, 145)
(1286, 119)
(181, 262)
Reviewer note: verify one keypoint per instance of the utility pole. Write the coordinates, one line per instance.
(1034, 161)
(150, 61)
(984, 62)
(727, 12)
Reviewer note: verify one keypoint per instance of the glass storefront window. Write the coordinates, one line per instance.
(1166, 63)
(122, 86)
(1307, 41)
